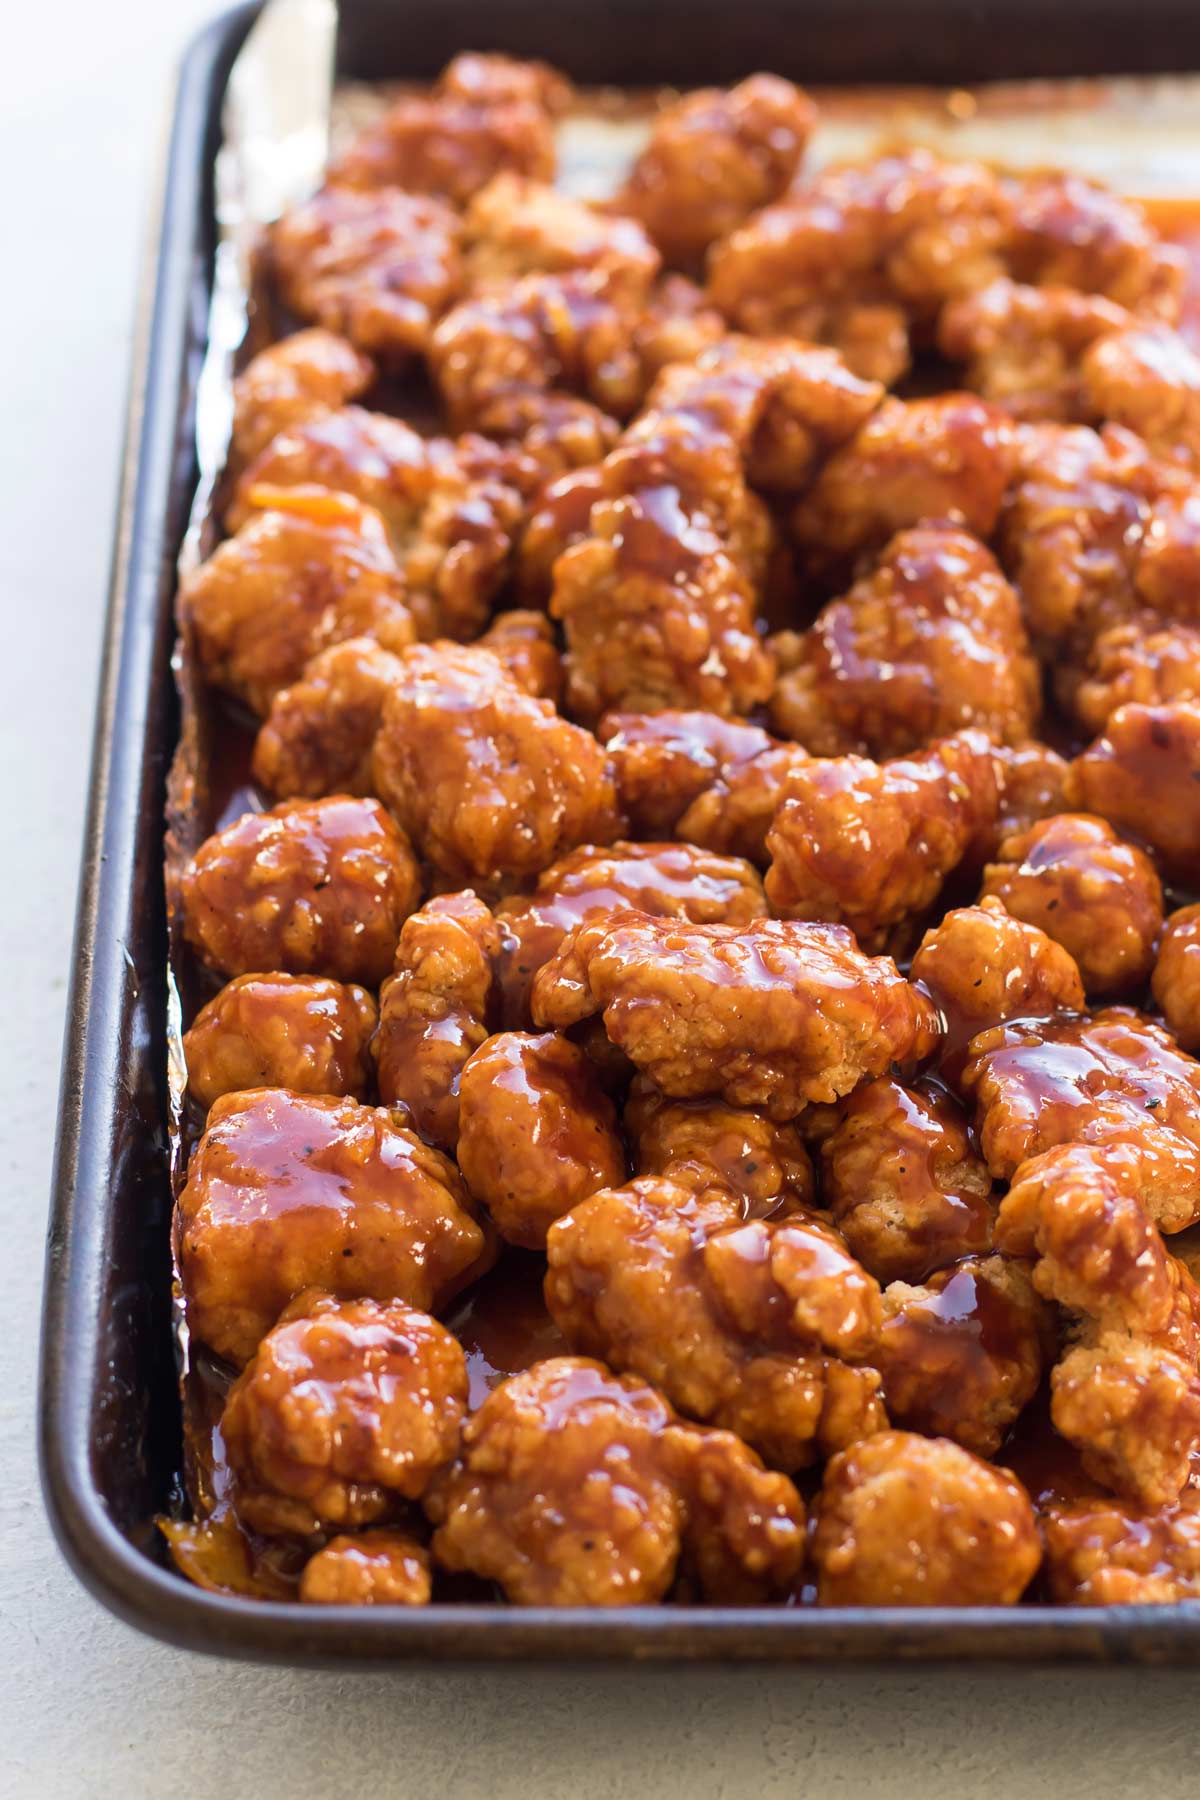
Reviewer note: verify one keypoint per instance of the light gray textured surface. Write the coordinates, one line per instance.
(87, 1708)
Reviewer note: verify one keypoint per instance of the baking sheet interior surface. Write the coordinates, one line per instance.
(963, 1335)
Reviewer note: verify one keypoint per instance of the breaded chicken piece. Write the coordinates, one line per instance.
(293, 1191)
(577, 1487)
(281, 1031)
(774, 1014)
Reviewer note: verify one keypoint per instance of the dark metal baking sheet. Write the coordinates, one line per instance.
(110, 1435)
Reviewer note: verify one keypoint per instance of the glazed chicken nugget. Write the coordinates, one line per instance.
(1112, 1078)
(1140, 662)
(451, 509)
(377, 268)
(525, 643)
(368, 1568)
(713, 158)
(516, 226)
(310, 571)
(1143, 776)
(859, 254)
(577, 1487)
(657, 609)
(982, 966)
(669, 881)
(928, 642)
(1071, 232)
(303, 377)
(776, 1013)
(735, 1321)
(318, 736)
(903, 1182)
(1110, 1552)
(491, 783)
(485, 114)
(1096, 895)
(903, 1520)
(537, 1133)
(665, 760)
(317, 887)
(1031, 777)
(1024, 347)
(294, 1031)
(703, 1143)
(345, 1409)
(433, 1011)
(1176, 979)
(785, 404)
(962, 1354)
(948, 457)
(1076, 1213)
(1129, 1400)
(1147, 377)
(293, 1191)
(1078, 531)
(870, 845)
(735, 813)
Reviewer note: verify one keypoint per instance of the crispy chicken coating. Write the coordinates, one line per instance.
(1147, 377)
(486, 114)
(1031, 779)
(570, 331)
(736, 1321)
(656, 603)
(785, 404)
(1023, 347)
(311, 571)
(1076, 1212)
(303, 377)
(668, 881)
(1113, 1078)
(452, 507)
(948, 457)
(1096, 895)
(344, 1408)
(537, 1133)
(870, 845)
(1091, 533)
(318, 736)
(1138, 663)
(982, 966)
(1106, 1552)
(903, 1183)
(281, 1031)
(930, 641)
(515, 227)
(713, 158)
(774, 1014)
(903, 1520)
(1070, 232)
(1176, 979)
(291, 1191)
(433, 1011)
(860, 253)
(378, 268)
(1129, 1400)
(317, 887)
(370, 1568)
(735, 813)
(1143, 776)
(577, 1487)
(962, 1354)
(703, 1144)
(665, 760)
(490, 782)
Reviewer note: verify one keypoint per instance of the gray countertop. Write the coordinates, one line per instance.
(87, 1707)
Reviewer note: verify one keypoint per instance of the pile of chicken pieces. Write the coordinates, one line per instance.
(619, 749)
